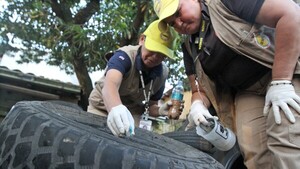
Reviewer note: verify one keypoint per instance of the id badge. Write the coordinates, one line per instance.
(146, 124)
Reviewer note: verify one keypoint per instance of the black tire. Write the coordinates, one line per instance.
(65, 103)
(191, 138)
(231, 159)
(47, 135)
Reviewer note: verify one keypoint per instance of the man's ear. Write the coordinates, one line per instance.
(142, 39)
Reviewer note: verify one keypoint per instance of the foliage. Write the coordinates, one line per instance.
(55, 31)
(72, 34)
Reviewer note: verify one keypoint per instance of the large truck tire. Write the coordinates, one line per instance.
(231, 159)
(191, 138)
(42, 135)
(66, 104)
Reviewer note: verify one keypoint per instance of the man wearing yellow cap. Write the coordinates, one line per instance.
(134, 74)
(245, 57)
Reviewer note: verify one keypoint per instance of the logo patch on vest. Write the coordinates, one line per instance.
(262, 41)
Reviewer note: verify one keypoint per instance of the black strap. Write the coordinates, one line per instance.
(147, 97)
(203, 30)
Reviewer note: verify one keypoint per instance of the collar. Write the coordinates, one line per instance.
(204, 16)
(204, 11)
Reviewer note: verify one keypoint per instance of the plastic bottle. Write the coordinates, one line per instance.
(222, 138)
(176, 98)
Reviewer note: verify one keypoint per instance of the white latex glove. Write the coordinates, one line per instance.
(198, 114)
(120, 121)
(281, 95)
(164, 108)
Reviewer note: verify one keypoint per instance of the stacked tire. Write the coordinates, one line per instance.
(231, 159)
(41, 135)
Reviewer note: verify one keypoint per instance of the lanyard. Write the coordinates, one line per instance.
(199, 40)
(147, 97)
(202, 32)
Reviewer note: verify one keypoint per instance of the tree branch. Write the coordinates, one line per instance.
(86, 13)
(61, 11)
(137, 23)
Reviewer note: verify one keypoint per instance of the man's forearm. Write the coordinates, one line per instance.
(287, 49)
(111, 97)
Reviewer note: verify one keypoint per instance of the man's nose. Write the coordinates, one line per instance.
(178, 23)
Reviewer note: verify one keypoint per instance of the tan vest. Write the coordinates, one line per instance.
(253, 41)
(130, 93)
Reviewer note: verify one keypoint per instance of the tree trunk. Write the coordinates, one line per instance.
(84, 81)
(80, 68)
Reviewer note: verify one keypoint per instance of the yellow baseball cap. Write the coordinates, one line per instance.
(165, 8)
(162, 41)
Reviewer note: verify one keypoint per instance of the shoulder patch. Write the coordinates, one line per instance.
(121, 57)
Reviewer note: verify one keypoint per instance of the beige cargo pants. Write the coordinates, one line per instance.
(264, 144)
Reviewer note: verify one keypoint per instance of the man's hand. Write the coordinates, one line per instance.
(198, 114)
(164, 108)
(120, 121)
(281, 95)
